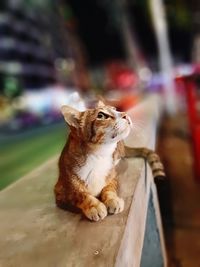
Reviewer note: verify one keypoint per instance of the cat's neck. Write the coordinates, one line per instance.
(80, 146)
(105, 150)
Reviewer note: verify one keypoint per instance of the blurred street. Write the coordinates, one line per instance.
(23, 151)
(179, 194)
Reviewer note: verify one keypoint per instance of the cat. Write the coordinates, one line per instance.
(87, 176)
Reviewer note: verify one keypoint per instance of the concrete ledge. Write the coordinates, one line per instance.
(33, 232)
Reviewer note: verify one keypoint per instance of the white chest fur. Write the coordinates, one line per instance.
(96, 168)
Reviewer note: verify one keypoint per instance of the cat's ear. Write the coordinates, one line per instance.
(71, 116)
(100, 104)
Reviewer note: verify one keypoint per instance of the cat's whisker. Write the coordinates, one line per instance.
(139, 119)
(140, 123)
(140, 126)
(138, 131)
(136, 126)
(139, 135)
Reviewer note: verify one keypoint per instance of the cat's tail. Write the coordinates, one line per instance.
(152, 158)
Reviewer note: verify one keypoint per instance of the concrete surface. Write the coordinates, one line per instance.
(33, 232)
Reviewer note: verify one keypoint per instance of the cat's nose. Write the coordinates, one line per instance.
(124, 116)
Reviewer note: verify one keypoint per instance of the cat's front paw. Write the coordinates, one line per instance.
(97, 212)
(115, 205)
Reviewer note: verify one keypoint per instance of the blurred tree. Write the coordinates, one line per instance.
(179, 17)
(139, 16)
(195, 6)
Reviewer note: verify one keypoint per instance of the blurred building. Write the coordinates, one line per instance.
(38, 47)
(26, 58)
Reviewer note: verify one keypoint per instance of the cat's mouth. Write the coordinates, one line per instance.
(114, 135)
(122, 132)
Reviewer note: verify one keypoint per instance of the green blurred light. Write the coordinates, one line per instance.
(11, 86)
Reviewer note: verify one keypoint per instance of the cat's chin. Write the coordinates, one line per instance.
(116, 137)
(124, 135)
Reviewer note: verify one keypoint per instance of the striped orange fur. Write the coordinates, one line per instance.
(87, 177)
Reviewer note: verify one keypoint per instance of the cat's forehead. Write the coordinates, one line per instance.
(109, 110)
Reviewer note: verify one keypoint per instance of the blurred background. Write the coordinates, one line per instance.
(69, 52)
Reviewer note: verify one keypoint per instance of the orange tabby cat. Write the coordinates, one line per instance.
(87, 176)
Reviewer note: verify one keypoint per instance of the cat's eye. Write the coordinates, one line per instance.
(102, 116)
